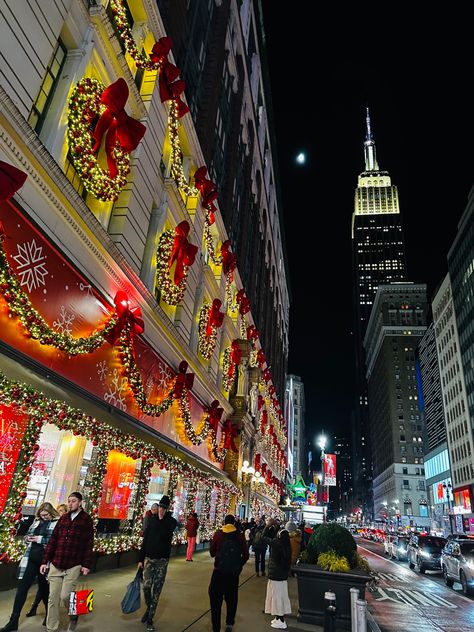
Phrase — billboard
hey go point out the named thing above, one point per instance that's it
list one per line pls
(330, 469)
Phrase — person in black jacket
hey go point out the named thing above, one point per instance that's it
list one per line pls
(277, 601)
(154, 557)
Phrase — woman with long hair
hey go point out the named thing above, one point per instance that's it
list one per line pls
(37, 538)
(277, 602)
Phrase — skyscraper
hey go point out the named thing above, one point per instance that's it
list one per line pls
(378, 256)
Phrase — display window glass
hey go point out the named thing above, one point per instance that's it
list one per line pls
(62, 466)
(200, 496)
(180, 496)
(12, 429)
(213, 505)
(158, 485)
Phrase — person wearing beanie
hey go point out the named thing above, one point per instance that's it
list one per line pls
(295, 541)
(154, 557)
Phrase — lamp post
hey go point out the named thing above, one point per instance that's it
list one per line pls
(448, 491)
(322, 444)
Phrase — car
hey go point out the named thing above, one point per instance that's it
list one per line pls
(424, 551)
(399, 547)
(457, 561)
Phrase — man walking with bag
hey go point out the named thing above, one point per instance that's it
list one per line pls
(229, 548)
(154, 557)
(67, 555)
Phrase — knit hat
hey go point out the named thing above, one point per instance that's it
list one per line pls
(290, 526)
(164, 502)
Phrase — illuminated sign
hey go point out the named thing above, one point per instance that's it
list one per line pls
(330, 470)
(12, 428)
(118, 484)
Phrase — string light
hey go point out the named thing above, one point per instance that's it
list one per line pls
(171, 293)
(206, 343)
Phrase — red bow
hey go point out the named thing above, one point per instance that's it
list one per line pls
(230, 432)
(261, 358)
(169, 85)
(119, 125)
(215, 318)
(183, 380)
(257, 462)
(252, 333)
(206, 188)
(272, 391)
(183, 252)
(260, 402)
(215, 414)
(125, 315)
(263, 421)
(243, 302)
(267, 375)
(236, 352)
(229, 262)
(11, 179)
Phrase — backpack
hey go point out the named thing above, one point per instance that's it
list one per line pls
(229, 558)
(257, 538)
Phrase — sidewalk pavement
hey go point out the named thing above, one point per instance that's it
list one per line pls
(183, 605)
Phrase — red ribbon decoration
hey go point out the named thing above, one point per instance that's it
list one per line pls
(170, 86)
(272, 391)
(236, 353)
(125, 315)
(264, 469)
(260, 402)
(267, 375)
(252, 333)
(261, 358)
(215, 414)
(207, 188)
(183, 252)
(215, 318)
(243, 302)
(183, 380)
(263, 421)
(229, 262)
(230, 432)
(257, 462)
(11, 180)
(117, 123)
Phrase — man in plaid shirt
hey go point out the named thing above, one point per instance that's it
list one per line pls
(68, 554)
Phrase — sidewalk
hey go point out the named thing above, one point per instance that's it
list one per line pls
(183, 606)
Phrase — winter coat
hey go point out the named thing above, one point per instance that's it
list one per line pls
(44, 539)
(157, 538)
(71, 542)
(278, 564)
(295, 541)
(192, 526)
(218, 539)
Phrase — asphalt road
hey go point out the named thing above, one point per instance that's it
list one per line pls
(406, 600)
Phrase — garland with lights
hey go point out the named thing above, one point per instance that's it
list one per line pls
(207, 334)
(84, 108)
(228, 370)
(141, 59)
(171, 293)
(42, 410)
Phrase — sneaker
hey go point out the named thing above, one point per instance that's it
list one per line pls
(150, 627)
(279, 625)
(72, 623)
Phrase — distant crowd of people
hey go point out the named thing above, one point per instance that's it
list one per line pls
(60, 545)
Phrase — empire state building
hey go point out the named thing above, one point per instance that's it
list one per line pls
(378, 256)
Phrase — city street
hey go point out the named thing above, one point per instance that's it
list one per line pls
(406, 600)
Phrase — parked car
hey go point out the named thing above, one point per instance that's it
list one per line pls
(424, 551)
(399, 547)
(457, 560)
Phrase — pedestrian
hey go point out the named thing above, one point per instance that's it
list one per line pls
(154, 557)
(230, 551)
(153, 511)
(61, 509)
(277, 602)
(37, 538)
(295, 541)
(192, 526)
(67, 555)
(259, 548)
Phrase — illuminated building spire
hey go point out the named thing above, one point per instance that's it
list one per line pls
(369, 147)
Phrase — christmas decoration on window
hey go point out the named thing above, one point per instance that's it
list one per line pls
(89, 100)
(210, 320)
(232, 359)
(229, 264)
(11, 180)
(174, 249)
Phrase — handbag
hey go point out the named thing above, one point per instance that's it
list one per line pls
(81, 601)
(131, 601)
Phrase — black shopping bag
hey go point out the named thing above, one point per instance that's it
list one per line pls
(131, 601)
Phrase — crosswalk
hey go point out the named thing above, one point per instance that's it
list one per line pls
(407, 596)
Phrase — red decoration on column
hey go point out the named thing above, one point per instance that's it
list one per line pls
(272, 390)
(117, 123)
(183, 252)
(260, 402)
(236, 353)
(263, 421)
(170, 86)
(267, 376)
(252, 333)
(207, 188)
(257, 462)
(216, 317)
(125, 315)
(243, 302)
(215, 414)
(264, 469)
(229, 262)
(183, 380)
(11, 180)
(230, 432)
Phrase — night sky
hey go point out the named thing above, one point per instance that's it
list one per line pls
(419, 93)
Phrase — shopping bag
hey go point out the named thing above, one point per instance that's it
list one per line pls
(81, 601)
(131, 601)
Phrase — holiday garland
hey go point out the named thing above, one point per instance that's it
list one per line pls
(170, 292)
(207, 335)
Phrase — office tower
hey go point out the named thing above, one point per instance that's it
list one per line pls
(295, 406)
(378, 256)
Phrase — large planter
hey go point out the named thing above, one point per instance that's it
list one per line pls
(314, 582)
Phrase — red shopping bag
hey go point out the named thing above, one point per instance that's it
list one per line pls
(81, 601)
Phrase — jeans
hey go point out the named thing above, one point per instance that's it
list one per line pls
(260, 553)
(30, 574)
(223, 587)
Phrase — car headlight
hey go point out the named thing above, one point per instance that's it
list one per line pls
(401, 549)
(424, 553)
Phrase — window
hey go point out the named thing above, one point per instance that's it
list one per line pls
(43, 100)
(405, 471)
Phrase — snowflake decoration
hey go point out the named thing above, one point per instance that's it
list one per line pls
(102, 370)
(31, 265)
(164, 377)
(87, 288)
(116, 393)
(64, 322)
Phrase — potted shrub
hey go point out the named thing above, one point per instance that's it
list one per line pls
(330, 562)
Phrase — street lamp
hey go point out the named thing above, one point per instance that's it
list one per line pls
(448, 491)
(322, 444)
